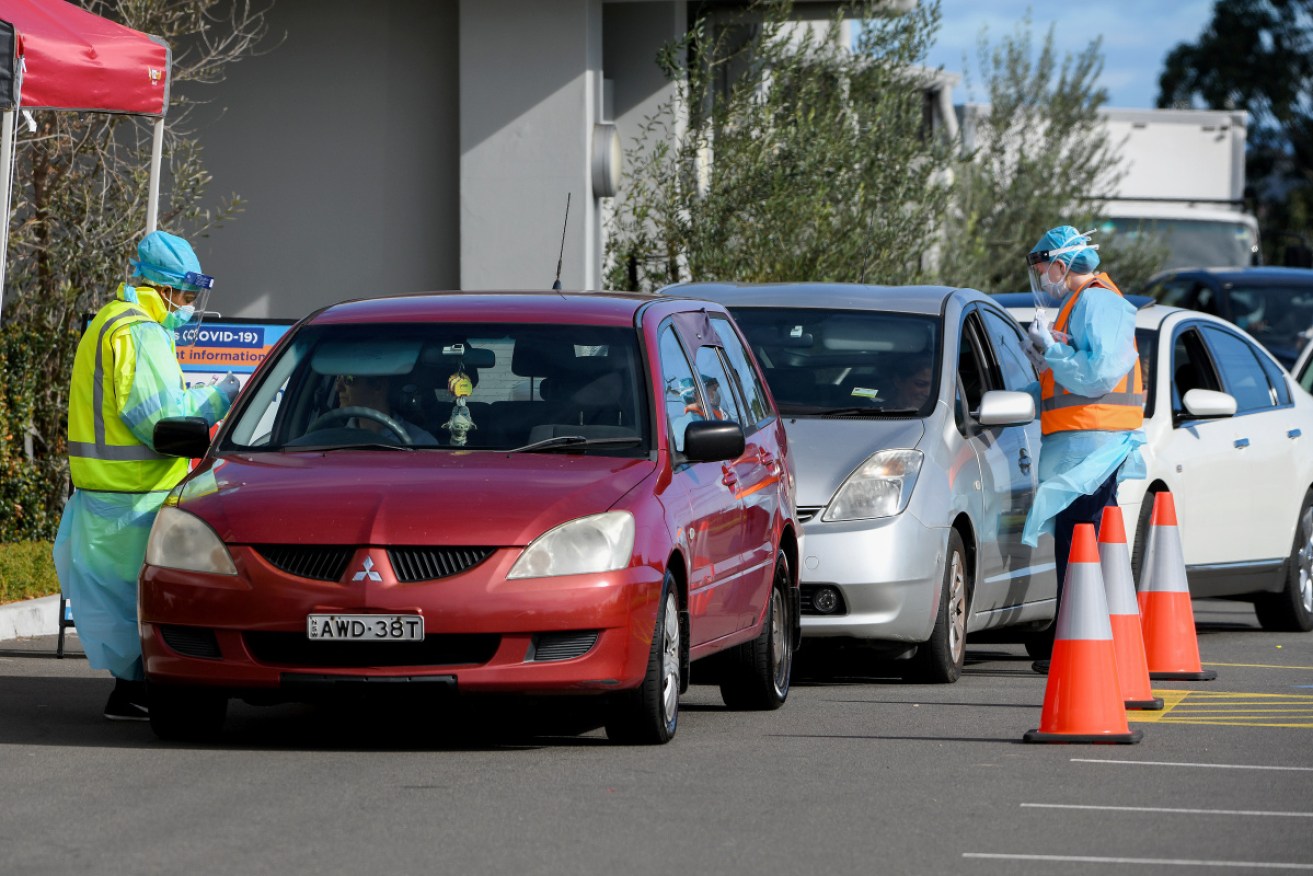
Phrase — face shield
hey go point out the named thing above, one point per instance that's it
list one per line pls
(187, 306)
(1048, 268)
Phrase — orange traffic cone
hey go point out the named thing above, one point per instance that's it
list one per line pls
(1170, 646)
(1124, 613)
(1082, 700)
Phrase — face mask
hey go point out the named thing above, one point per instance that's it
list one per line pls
(180, 317)
(1057, 288)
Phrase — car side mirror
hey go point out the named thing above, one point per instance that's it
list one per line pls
(1208, 404)
(1000, 407)
(713, 440)
(182, 436)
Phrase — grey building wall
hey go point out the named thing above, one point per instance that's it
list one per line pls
(341, 141)
(411, 145)
(531, 90)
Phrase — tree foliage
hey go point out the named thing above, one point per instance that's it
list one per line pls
(79, 207)
(1257, 55)
(788, 156)
(785, 155)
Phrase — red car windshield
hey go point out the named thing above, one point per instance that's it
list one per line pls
(490, 386)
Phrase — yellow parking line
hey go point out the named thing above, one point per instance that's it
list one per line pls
(1229, 709)
(1260, 666)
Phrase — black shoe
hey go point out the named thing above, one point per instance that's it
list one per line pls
(127, 702)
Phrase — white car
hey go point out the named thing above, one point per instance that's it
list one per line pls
(1228, 435)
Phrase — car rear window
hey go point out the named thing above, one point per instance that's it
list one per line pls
(843, 362)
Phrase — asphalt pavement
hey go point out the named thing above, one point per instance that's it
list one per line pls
(858, 773)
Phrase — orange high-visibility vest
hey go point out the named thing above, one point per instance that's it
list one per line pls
(1120, 410)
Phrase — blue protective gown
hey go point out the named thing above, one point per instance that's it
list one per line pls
(1074, 464)
(101, 542)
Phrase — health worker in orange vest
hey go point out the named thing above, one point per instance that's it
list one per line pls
(1091, 391)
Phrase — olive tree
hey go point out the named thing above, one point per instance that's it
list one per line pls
(1036, 155)
(80, 190)
(786, 154)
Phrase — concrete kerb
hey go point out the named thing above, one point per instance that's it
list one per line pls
(32, 617)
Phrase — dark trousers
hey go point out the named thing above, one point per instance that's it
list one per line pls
(1086, 509)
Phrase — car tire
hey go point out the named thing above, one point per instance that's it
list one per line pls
(649, 714)
(1142, 537)
(186, 714)
(1291, 610)
(939, 659)
(758, 673)
(1039, 644)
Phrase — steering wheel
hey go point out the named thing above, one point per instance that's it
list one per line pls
(353, 411)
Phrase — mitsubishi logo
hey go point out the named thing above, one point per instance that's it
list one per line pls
(367, 572)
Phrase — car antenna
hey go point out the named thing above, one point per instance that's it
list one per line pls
(556, 286)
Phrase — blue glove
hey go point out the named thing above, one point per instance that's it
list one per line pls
(229, 386)
(1041, 338)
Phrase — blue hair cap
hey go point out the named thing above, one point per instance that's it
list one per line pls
(167, 259)
(1078, 261)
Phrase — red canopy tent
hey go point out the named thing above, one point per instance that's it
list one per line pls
(55, 55)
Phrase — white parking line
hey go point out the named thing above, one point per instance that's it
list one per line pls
(1259, 812)
(1215, 766)
(1159, 862)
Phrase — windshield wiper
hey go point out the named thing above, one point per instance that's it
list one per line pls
(851, 412)
(323, 448)
(572, 442)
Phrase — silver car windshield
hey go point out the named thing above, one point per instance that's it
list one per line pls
(839, 363)
(476, 386)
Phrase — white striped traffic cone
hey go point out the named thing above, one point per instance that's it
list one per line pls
(1124, 613)
(1170, 645)
(1082, 700)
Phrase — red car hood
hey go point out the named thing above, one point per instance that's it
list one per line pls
(415, 498)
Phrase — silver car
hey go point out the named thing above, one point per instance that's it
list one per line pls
(916, 448)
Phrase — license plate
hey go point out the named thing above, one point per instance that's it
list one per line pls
(365, 627)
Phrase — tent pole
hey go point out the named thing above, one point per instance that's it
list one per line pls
(156, 160)
(6, 178)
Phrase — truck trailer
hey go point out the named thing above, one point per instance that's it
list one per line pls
(1184, 182)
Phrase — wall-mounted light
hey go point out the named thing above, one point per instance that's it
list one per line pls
(607, 159)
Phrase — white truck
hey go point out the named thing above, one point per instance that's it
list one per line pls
(1184, 181)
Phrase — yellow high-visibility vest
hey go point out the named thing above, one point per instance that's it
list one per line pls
(103, 454)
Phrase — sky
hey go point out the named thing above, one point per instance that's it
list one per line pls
(1137, 35)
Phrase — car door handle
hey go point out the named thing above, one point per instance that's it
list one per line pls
(1294, 433)
(729, 477)
(1242, 443)
(1023, 461)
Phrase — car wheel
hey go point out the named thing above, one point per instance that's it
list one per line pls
(1039, 644)
(1291, 610)
(1142, 537)
(760, 672)
(649, 714)
(186, 714)
(939, 660)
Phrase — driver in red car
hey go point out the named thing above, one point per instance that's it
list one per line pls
(357, 391)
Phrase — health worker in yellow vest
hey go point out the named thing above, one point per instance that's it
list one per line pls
(1091, 391)
(126, 377)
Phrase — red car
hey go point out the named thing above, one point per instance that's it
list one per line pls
(555, 493)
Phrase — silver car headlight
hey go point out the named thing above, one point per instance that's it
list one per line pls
(179, 540)
(598, 543)
(881, 487)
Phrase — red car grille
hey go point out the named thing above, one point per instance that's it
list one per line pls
(329, 562)
(294, 649)
(430, 563)
(320, 562)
